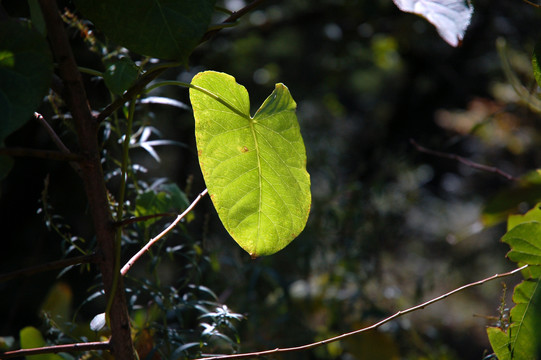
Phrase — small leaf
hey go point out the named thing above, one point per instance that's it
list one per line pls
(165, 29)
(536, 63)
(525, 243)
(521, 341)
(254, 167)
(165, 198)
(450, 17)
(532, 215)
(120, 75)
(32, 338)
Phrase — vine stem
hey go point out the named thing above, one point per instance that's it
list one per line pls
(371, 327)
(152, 241)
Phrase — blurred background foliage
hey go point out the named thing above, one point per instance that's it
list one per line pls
(389, 226)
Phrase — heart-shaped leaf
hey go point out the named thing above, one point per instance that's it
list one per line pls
(165, 29)
(254, 166)
(450, 17)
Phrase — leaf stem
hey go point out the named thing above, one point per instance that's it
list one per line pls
(204, 91)
(371, 327)
(121, 196)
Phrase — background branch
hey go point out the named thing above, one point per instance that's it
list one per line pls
(41, 154)
(372, 327)
(60, 264)
(464, 161)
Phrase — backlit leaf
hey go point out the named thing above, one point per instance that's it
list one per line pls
(525, 243)
(521, 340)
(254, 166)
(165, 29)
(450, 17)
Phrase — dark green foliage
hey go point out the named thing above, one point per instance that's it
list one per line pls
(165, 29)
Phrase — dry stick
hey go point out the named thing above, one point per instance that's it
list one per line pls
(151, 242)
(372, 327)
(56, 139)
(463, 161)
(59, 264)
(135, 219)
(87, 346)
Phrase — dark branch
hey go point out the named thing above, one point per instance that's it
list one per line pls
(464, 161)
(60, 264)
(41, 154)
(141, 218)
(234, 17)
(90, 346)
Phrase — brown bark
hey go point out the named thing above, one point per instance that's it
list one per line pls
(92, 175)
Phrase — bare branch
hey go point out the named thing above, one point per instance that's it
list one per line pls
(40, 154)
(372, 327)
(60, 264)
(141, 218)
(234, 17)
(56, 139)
(464, 161)
(92, 175)
(89, 346)
(151, 242)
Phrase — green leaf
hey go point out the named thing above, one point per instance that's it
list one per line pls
(120, 75)
(499, 341)
(165, 29)
(532, 215)
(525, 243)
(165, 198)
(26, 69)
(254, 167)
(32, 338)
(536, 63)
(521, 341)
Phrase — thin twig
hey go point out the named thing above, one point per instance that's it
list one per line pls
(56, 139)
(151, 242)
(40, 154)
(59, 264)
(234, 17)
(89, 346)
(372, 327)
(464, 161)
(141, 218)
(531, 3)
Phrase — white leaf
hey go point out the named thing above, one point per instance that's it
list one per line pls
(450, 17)
(98, 322)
